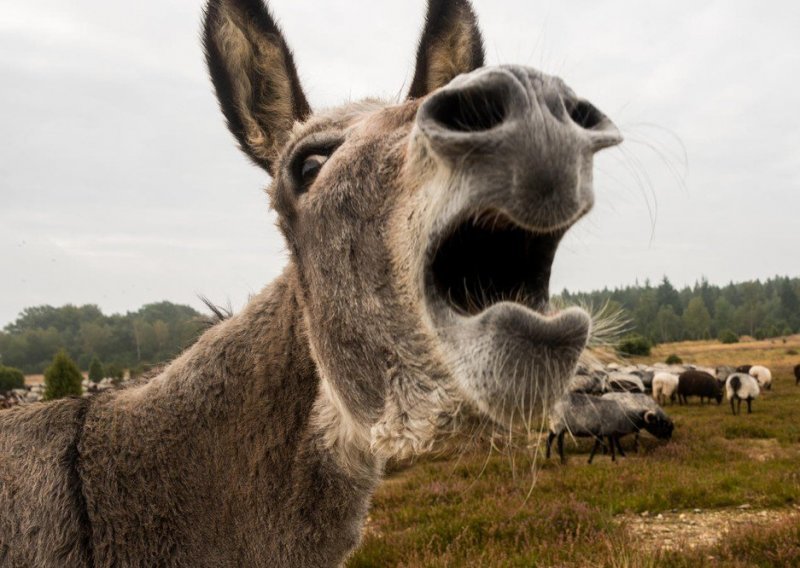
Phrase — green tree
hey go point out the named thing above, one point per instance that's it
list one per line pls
(62, 378)
(95, 370)
(696, 319)
(668, 325)
(724, 314)
(634, 344)
(11, 378)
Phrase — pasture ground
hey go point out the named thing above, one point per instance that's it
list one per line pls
(724, 492)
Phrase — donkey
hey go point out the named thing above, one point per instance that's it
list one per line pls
(421, 237)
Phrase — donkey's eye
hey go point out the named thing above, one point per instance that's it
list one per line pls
(311, 167)
(308, 161)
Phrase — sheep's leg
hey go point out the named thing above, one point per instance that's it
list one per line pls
(619, 445)
(733, 410)
(749, 410)
(738, 405)
(550, 437)
(561, 447)
(597, 442)
(611, 442)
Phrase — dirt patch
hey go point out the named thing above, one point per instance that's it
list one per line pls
(698, 528)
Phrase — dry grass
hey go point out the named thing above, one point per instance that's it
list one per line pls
(32, 380)
(478, 509)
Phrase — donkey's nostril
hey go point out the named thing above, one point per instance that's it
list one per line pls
(472, 109)
(584, 113)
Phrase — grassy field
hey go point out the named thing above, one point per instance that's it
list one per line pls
(735, 477)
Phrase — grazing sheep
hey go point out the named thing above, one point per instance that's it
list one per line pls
(647, 378)
(633, 401)
(762, 375)
(743, 368)
(664, 387)
(587, 383)
(623, 382)
(586, 416)
(698, 383)
(725, 371)
(797, 374)
(739, 387)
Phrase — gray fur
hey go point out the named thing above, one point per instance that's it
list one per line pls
(262, 444)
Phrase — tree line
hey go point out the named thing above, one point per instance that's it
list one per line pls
(136, 340)
(662, 313)
(158, 332)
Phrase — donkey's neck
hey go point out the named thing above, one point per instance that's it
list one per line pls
(235, 448)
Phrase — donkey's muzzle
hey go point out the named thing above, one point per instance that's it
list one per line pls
(476, 109)
(522, 138)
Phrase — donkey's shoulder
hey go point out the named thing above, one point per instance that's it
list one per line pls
(42, 515)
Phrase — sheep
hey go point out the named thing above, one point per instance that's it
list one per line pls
(698, 383)
(647, 377)
(633, 401)
(762, 375)
(725, 371)
(623, 382)
(743, 368)
(587, 384)
(739, 387)
(797, 374)
(586, 416)
(664, 387)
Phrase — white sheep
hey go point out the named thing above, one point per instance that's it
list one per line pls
(762, 375)
(739, 387)
(664, 387)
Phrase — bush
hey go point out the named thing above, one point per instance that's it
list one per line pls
(62, 378)
(791, 352)
(95, 370)
(10, 379)
(673, 360)
(728, 337)
(115, 372)
(634, 344)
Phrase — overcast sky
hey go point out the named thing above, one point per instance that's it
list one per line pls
(119, 184)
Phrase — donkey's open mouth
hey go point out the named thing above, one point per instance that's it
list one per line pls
(490, 259)
(487, 288)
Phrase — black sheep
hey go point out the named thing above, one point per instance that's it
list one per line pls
(743, 368)
(698, 383)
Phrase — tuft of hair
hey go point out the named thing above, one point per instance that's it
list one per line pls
(218, 313)
(609, 324)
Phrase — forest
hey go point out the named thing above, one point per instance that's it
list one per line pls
(136, 340)
(662, 313)
(158, 332)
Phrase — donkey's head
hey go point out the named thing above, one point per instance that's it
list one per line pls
(421, 233)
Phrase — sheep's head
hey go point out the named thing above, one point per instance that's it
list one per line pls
(657, 423)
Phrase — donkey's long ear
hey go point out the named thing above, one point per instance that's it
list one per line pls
(254, 75)
(451, 44)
